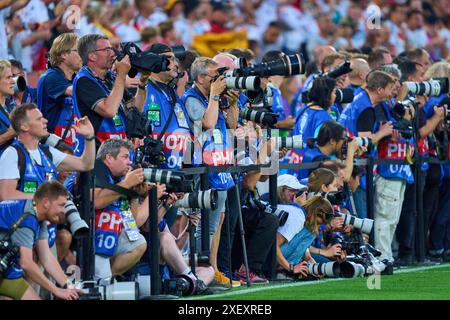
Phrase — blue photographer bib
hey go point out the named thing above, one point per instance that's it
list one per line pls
(158, 107)
(10, 212)
(109, 128)
(309, 123)
(217, 150)
(68, 112)
(350, 115)
(394, 150)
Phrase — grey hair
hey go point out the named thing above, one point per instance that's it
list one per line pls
(392, 69)
(88, 44)
(112, 147)
(200, 66)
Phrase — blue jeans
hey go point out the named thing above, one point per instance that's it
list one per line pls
(360, 202)
(440, 230)
(319, 258)
(294, 250)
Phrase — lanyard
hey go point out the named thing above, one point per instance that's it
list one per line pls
(35, 164)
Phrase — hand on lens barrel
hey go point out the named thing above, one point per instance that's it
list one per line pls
(134, 177)
(301, 268)
(386, 129)
(333, 251)
(337, 223)
(232, 96)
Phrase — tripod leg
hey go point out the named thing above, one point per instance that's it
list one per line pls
(241, 228)
(192, 246)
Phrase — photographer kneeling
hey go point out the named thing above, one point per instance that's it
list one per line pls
(118, 242)
(204, 105)
(30, 231)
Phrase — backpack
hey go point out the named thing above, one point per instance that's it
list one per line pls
(21, 160)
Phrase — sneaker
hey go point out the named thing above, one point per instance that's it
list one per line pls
(254, 278)
(221, 279)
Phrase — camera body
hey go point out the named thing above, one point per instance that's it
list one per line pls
(142, 61)
(8, 253)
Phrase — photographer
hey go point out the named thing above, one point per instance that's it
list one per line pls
(357, 77)
(30, 163)
(99, 93)
(170, 121)
(118, 243)
(49, 201)
(7, 133)
(433, 126)
(203, 103)
(55, 90)
(321, 97)
(29, 95)
(301, 228)
(329, 144)
(369, 116)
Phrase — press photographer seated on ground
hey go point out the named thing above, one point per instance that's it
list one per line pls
(31, 216)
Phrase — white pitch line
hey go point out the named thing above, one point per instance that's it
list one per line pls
(301, 284)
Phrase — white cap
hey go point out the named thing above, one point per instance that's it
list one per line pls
(288, 180)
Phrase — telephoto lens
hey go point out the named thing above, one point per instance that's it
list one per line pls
(261, 117)
(350, 269)
(162, 176)
(345, 95)
(340, 70)
(365, 225)
(294, 142)
(328, 269)
(78, 227)
(432, 87)
(243, 83)
(363, 142)
(206, 200)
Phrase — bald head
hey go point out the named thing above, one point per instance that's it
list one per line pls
(360, 69)
(226, 59)
(321, 52)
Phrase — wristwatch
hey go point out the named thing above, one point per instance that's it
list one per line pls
(216, 98)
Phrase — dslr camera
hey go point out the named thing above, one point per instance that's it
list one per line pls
(141, 61)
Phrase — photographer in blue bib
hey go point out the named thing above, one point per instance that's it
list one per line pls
(55, 89)
(25, 223)
(369, 116)
(211, 121)
(39, 163)
(7, 133)
(166, 111)
(99, 93)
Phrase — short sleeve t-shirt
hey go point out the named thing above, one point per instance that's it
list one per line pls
(294, 223)
(53, 93)
(9, 159)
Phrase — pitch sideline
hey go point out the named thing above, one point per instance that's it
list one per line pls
(302, 284)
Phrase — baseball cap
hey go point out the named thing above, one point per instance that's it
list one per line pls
(288, 180)
(159, 48)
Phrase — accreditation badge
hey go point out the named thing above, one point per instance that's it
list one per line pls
(181, 117)
(217, 137)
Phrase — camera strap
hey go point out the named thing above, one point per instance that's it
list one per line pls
(173, 100)
(16, 225)
(114, 187)
(302, 112)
